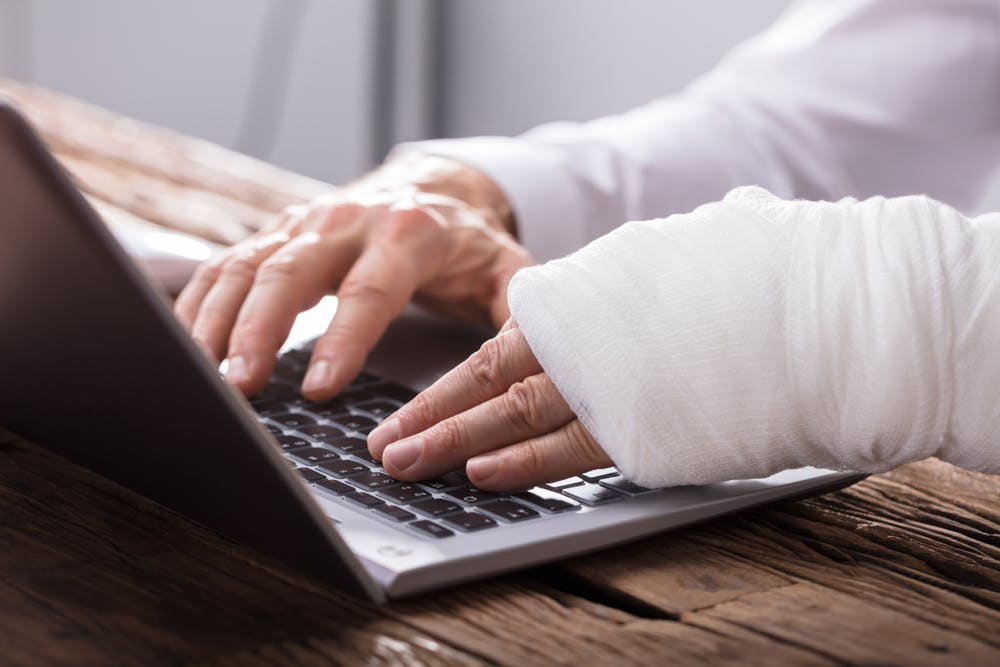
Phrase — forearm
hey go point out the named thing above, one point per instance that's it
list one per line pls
(857, 98)
(755, 335)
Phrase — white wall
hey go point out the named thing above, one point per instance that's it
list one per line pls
(188, 64)
(507, 65)
(512, 64)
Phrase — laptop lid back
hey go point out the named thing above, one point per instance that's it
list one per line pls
(94, 366)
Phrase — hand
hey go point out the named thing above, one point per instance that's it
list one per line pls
(419, 227)
(498, 415)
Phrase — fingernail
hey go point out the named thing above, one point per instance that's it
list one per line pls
(403, 454)
(318, 377)
(386, 432)
(482, 468)
(238, 371)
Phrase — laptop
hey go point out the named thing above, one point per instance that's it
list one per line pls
(95, 367)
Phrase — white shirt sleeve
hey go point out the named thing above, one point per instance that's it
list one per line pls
(756, 334)
(846, 97)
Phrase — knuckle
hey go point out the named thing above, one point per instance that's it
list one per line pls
(523, 405)
(363, 290)
(529, 459)
(450, 437)
(484, 365)
(417, 414)
(335, 217)
(278, 268)
(238, 266)
(404, 224)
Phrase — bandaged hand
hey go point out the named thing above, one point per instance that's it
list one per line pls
(498, 415)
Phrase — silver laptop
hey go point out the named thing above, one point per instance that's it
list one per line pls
(94, 366)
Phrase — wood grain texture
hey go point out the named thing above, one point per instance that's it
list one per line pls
(902, 568)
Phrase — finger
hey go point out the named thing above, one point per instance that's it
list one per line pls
(567, 451)
(500, 362)
(373, 293)
(530, 408)
(221, 304)
(287, 283)
(188, 303)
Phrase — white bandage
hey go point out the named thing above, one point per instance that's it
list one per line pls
(756, 334)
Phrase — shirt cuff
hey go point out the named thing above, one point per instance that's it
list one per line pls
(541, 192)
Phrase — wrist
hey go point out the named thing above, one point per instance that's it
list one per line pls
(451, 178)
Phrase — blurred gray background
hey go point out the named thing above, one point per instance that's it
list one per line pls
(324, 87)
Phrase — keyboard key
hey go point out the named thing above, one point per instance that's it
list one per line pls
(470, 495)
(348, 445)
(395, 513)
(436, 507)
(470, 521)
(374, 480)
(334, 486)
(327, 410)
(378, 409)
(321, 433)
(292, 420)
(546, 503)
(592, 494)
(310, 475)
(600, 473)
(343, 468)
(274, 430)
(432, 529)
(362, 498)
(619, 483)
(450, 480)
(564, 483)
(406, 493)
(356, 423)
(292, 442)
(313, 455)
(509, 510)
(366, 456)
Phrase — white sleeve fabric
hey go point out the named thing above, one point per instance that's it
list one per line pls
(756, 334)
(838, 98)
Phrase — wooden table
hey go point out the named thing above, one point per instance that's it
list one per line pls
(903, 568)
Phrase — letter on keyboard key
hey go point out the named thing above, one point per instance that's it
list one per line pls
(293, 420)
(471, 495)
(509, 510)
(313, 455)
(374, 480)
(347, 445)
(292, 442)
(356, 423)
(405, 493)
(321, 432)
(436, 507)
(343, 468)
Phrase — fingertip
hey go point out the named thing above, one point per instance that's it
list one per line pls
(383, 435)
(482, 471)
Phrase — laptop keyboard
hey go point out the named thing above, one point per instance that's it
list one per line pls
(326, 444)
